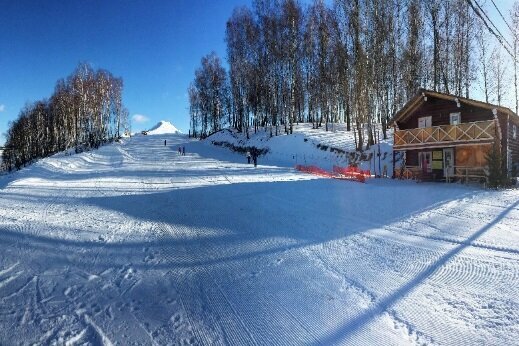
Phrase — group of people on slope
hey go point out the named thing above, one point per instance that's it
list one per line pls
(181, 150)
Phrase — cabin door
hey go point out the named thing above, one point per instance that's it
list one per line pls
(425, 160)
(448, 162)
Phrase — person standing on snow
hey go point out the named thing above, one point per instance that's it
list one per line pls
(164, 142)
(248, 157)
(255, 157)
(183, 151)
(179, 151)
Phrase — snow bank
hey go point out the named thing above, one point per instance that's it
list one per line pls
(307, 146)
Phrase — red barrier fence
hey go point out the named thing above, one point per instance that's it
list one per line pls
(349, 173)
(313, 170)
(352, 173)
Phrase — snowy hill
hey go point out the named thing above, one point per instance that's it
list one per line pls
(309, 146)
(136, 244)
(163, 127)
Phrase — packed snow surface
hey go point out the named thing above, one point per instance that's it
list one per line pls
(163, 127)
(136, 244)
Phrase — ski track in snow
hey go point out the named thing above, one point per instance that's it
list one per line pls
(135, 244)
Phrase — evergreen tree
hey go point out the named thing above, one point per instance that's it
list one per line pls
(497, 176)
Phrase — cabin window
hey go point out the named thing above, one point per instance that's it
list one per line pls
(424, 122)
(455, 118)
(425, 161)
(514, 132)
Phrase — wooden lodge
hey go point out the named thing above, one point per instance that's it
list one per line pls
(442, 137)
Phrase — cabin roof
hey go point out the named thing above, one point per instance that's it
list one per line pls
(418, 100)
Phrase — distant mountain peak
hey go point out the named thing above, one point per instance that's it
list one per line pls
(163, 127)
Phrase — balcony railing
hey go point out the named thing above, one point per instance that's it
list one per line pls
(478, 131)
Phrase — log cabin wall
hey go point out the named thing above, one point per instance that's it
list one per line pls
(440, 110)
(513, 143)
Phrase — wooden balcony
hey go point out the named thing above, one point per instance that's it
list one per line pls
(446, 135)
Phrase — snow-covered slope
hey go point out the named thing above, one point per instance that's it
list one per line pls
(309, 146)
(136, 244)
(163, 127)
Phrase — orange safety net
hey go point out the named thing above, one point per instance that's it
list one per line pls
(348, 173)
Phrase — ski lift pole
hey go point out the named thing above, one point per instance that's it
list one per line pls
(379, 154)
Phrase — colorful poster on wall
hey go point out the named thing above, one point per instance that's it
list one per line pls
(437, 165)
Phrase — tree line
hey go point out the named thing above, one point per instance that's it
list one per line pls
(355, 61)
(84, 112)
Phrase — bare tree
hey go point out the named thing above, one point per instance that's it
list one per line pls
(211, 94)
(482, 44)
(357, 62)
(498, 75)
(412, 59)
(84, 111)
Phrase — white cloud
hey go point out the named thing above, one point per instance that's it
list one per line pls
(139, 118)
(2, 108)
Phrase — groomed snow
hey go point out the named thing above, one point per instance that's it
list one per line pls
(135, 244)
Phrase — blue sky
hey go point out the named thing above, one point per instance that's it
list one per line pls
(155, 46)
